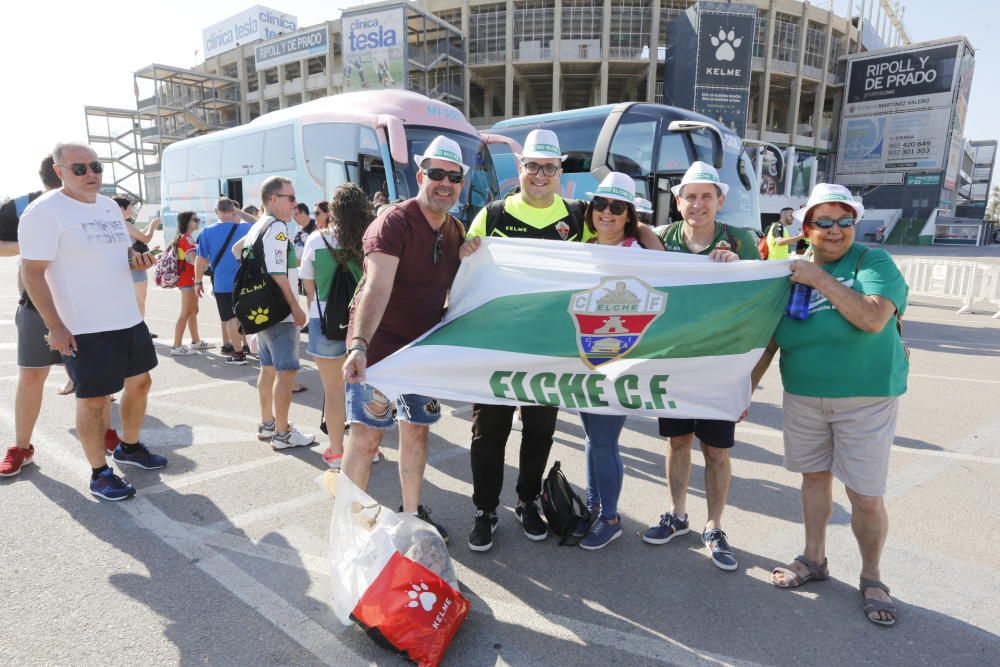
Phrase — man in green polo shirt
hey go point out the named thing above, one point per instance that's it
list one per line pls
(700, 195)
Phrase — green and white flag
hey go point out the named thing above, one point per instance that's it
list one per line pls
(598, 328)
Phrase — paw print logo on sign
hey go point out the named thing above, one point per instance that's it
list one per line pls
(420, 596)
(259, 315)
(725, 45)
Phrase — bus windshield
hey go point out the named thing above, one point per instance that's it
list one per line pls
(480, 185)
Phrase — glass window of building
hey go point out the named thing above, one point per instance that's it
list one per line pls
(815, 45)
(487, 33)
(669, 10)
(316, 65)
(533, 28)
(786, 39)
(581, 29)
(293, 71)
(630, 25)
(452, 16)
(760, 46)
(836, 51)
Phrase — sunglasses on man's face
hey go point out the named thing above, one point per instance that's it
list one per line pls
(435, 174)
(291, 198)
(617, 206)
(827, 223)
(80, 168)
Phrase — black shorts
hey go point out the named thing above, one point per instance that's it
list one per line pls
(224, 302)
(104, 359)
(33, 350)
(712, 432)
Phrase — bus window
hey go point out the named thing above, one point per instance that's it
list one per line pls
(480, 188)
(279, 149)
(203, 161)
(242, 154)
(673, 153)
(373, 175)
(632, 145)
(703, 145)
(324, 140)
(234, 190)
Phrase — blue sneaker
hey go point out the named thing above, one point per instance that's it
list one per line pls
(722, 553)
(584, 524)
(601, 534)
(670, 526)
(142, 458)
(109, 486)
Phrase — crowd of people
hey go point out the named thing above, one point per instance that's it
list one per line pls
(80, 252)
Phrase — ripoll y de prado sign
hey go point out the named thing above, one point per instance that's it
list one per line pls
(596, 328)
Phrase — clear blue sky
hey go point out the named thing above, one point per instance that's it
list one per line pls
(59, 58)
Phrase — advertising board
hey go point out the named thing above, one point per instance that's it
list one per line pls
(725, 49)
(901, 81)
(899, 141)
(374, 49)
(289, 48)
(257, 22)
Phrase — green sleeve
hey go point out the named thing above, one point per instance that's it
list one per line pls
(478, 226)
(662, 232)
(879, 276)
(748, 243)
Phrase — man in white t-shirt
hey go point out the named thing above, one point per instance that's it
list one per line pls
(278, 346)
(74, 244)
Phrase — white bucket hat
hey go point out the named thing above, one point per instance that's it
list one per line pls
(616, 185)
(542, 144)
(442, 148)
(829, 193)
(643, 205)
(700, 172)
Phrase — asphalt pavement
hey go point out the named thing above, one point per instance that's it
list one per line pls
(221, 559)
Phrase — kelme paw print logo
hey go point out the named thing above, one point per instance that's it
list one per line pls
(259, 315)
(420, 596)
(726, 45)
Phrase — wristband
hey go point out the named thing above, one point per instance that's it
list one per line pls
(198, 284)
(363, 349)
(364, 341)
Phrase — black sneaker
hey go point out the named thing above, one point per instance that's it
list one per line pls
(246, 349)
(481, 537)
(236, 359)
(531, 522)
(227, 349)
(424, 514)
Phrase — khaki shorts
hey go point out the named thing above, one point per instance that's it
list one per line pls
(850, 437)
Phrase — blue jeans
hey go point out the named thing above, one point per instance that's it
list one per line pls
(278, 346)
(605, 471)
(367, 405)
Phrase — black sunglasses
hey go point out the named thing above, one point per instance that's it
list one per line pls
(438, 244)
(827, 223)
(291, 198)
(617, 207)
(436, 174)
(80, 168)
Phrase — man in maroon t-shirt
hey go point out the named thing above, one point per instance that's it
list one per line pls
(411, 258)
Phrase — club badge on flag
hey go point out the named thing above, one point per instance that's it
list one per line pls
(612, 317)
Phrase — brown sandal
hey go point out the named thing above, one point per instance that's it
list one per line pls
(872, 606)
(793, 579)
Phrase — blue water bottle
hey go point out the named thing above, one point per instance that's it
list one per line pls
(798, 302)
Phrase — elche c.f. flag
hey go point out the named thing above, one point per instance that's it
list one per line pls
(597, 328)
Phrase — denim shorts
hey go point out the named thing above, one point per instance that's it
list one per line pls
(278, 346)
(367, 405)
(139, 276)
(322, 347)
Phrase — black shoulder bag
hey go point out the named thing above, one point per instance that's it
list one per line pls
(258, 302)
(334, 321)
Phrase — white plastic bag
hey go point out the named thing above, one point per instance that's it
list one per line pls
(364, 535)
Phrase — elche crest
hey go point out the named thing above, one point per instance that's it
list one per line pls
(612, 317)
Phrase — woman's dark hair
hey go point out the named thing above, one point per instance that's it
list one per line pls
(631, 223)
(350, 215)
(184, 221)
(324, 206)
(122, 201)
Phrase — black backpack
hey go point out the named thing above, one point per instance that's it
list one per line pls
(258, 302)
(334, 321)
(562, 507)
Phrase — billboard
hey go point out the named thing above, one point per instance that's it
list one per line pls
(901, 141)
(297, 46)
(252, 24)
(921, 78)
(374, 49)
(722, 70)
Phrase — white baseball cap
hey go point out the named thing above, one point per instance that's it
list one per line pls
(542, 144)
(700, 172)
(442, 148)
(829, 193)
(616, 185)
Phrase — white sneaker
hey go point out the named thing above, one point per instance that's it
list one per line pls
(201, 345)
(182, 351)
(292, 439)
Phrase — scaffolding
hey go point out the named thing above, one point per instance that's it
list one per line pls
(114, 134)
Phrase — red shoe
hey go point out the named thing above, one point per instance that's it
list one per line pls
(111, 441)
(16, 459)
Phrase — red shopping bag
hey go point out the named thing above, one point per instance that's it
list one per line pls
(411, 610)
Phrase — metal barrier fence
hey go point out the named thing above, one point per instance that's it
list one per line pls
(965, 282)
